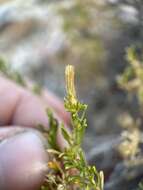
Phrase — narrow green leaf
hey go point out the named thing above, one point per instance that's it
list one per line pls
(52, 133)
(65, 134)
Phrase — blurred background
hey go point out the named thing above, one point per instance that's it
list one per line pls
(39, 37)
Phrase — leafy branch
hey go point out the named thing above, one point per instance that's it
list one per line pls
(132, 78)
(69, 169)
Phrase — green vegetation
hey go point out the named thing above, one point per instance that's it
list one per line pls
(132, 78)
(69, 169)
(140, 186)
(132, 82)
(7, 71)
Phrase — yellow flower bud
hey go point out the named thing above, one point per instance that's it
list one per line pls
(70, 86)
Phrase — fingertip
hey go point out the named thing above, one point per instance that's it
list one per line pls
(23, 162)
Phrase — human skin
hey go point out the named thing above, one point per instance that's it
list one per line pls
(23, 157)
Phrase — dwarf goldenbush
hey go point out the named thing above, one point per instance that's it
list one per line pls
(69, 168)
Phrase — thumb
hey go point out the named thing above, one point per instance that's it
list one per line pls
(22, 159)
